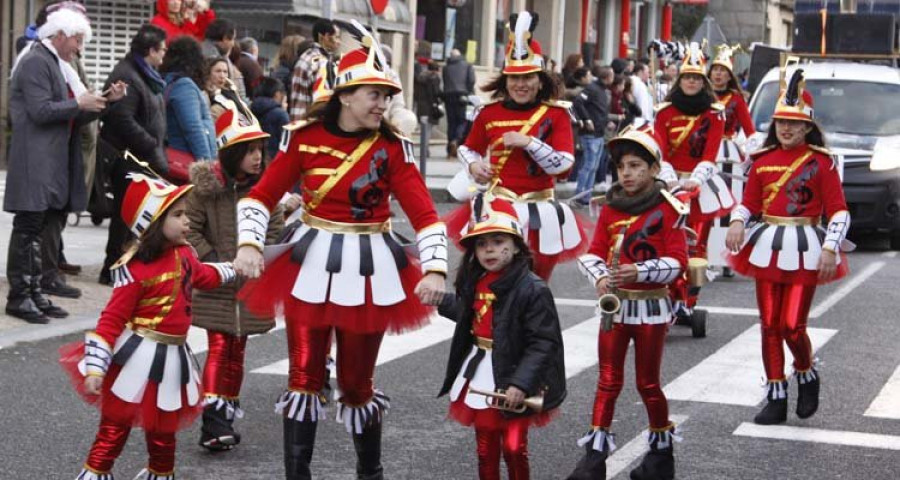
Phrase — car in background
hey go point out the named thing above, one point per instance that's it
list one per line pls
(857, 106)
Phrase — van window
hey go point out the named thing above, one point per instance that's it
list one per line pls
(856, 108)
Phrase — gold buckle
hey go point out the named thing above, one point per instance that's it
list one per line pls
(530, 197)
(791, 221)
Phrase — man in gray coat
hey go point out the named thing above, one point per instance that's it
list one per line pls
(459, 83)
(45, 180)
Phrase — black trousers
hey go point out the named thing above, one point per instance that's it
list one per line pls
(119, 234)
(45, 228)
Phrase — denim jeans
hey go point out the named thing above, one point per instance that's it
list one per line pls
(592, 157)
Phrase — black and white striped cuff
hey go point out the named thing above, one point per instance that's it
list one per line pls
(658, 270)
(253, 222)
(592, 267)
(97, 355)
(468, 156)
(667, 172)
(703, 172)
(225, 271)
(550, 160)
(837, 231)
(432, 244)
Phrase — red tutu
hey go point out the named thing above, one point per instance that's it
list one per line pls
(492, 418)
(740, 263)
(270, 295)
(144, 414)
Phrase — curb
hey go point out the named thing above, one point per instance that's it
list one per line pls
(56, 328)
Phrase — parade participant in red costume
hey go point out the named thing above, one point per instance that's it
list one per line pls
(691, 125)
(343, 269)
(524, 140)
(507, 338)
(792, 184)
(212, 212)
(639, 248)
(135, 365)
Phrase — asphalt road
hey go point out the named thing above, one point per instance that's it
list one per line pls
(47, 430)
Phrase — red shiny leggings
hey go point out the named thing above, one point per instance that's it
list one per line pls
(543, 264)
(224, 369)
(702, 227)
(648, 350)
(356, 356)
(110, 441)
(512, 441)
(784, 311)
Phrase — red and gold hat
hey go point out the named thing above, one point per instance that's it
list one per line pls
(694, 61)
(236, 124)
(323, 87)
(643, 136)
(491, 214)
(795, 102)
(365, 65)
(725, 58)
(523, 53)
(147, 199)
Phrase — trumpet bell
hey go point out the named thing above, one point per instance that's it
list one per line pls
(500, 401)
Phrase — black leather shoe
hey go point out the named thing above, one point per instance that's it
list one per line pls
(69, 268)
(48, 308)
(808, 398)
(25, 309)
(59, 289)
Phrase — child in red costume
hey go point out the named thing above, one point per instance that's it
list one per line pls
(793, 183)
(135, 365)
(507, 338)
(639, 248)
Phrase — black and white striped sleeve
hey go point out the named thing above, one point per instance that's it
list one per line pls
(658, 270)
(225, 271)
(252, 223)
(592, 267)
(549, 159)
(97, 355)
(837, 231)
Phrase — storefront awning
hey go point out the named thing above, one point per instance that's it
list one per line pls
(395, 18)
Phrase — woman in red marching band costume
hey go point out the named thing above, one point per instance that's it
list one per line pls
(136, 359)
(731, 96)
(639, 247)
(343, 268)
(792, 184)
(691, 125)
(524, 140)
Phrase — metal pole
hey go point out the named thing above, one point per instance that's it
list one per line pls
(326, 9)
(424, 140)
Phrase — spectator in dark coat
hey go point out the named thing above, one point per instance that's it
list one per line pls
(459, 82)
(592, 108)
(428, 98)
(138, 124)
(288, 53)
(248, 64)
(268, 107)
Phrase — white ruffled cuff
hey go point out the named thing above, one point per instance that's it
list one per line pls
(97, 355)
(549, 159)
(592, 267)
(703, 172)
(225, 271)
(432, 244)
(468, 156)
(741, 213)
(253, 222)
(837, 231)
(667, 172)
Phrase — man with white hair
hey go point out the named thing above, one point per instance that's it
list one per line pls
(47, 105)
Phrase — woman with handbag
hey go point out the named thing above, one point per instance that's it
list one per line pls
(344, 270)
(190, 132)
(522, 141)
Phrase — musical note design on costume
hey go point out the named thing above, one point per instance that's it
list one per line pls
(636, 245)
(365, 193)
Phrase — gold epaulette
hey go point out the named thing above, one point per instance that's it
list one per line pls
(819, 149)
(558, 103)
(761, 151)
(717, 106)
(298, 124)
(680, 207)
(661, 106)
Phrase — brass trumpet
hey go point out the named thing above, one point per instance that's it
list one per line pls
(500, 401)
(697, 268)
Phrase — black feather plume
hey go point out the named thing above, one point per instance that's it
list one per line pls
(792, 94)
(477, 206)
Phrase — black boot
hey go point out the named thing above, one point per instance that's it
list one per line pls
(42, 302)
(659, 463)
(368, 453)
(299, 440)
(807, 393)
(775, 411)
(216, 433)
(592, 465)
(20, 259)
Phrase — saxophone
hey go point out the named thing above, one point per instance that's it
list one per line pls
(609, 304)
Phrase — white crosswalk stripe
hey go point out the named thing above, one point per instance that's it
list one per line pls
(887, 403)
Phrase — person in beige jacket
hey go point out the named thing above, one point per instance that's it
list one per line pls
(213, 218)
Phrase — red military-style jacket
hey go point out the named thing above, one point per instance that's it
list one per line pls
(519, 173)
(387, 167)
(689, 139)
(159, 296)
(737, 115)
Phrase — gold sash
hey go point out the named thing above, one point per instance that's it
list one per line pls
(778, 185)
(319, 194)
(524, 131)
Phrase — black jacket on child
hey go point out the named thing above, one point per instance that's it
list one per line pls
(527, 344)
